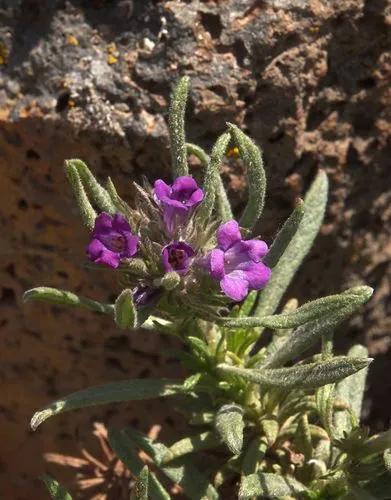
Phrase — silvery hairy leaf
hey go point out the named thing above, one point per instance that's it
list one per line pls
(309, 333)
(125, 390)
(63, 297)
(181, 471)
(267, 485)
(212, 179)
(230, 425)
(127, 452)
(256, 176)
(351, 390)
(203, 441)
(87, 211)
(176, 126)
(304, 376)
(125, 313)
(314, 208)
(99, 196)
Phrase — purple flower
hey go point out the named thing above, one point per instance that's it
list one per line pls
(236, 263)
(178, 200)
(112, 240)
(177, 257)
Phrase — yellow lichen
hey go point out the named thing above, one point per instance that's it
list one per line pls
(234, 152)
(3, 54)
(111, 59)
(72, 40)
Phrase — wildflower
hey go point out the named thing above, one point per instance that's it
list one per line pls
(236, 263)
(177, 257)
(112, 240)
(178, 200)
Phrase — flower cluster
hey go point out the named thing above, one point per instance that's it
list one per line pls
(235, 263)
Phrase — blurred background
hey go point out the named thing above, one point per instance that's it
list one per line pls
(307, 79)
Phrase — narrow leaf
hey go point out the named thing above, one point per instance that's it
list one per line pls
(320, 308)
(56, 491)
(230, 425)
(187, 445)
(301, 376)
(212, 175)
(266, 485)
(284, 236)
(176, 125)
(96, 192)
(125, 313)
(125, 450)
(141, 486)
(87, 212)
(126, 390)
(351, 390)
(256, 176)
(63, 297)
(253, 455)
(181, 471)
(302, 440)
(309, 333)
(297, 249)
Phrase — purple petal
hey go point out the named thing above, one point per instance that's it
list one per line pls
(228, 234)
(256, 249)
(161, 189)
(196, 197)
(103, 222)
(99, 254)
(184, 185)
(257, 275)
(235, 286)
(120, 223)
(217, 264)
(177, 257)
(236, 256)
(131, 245)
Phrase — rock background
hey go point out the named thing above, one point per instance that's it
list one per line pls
(307, 79)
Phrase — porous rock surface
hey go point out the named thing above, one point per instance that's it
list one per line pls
(307, 79)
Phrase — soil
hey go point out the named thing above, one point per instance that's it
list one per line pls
(307, 79)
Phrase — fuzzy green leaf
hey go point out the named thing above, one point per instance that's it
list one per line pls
(266, 485)
(187, 445)
(141, 486)
(87, 212)
(301, 376)
(320, 308)
(99, 196)
(126, 390)
(176, 126)
(297, 249)
(284, 236)
(223, 205)
(230, 425)
(351, 390)
(254, 455)
(63, 297)
(309, 333)
(125, 450)
(56, 491)
(125, 313)
(212, 176)
(181, 471)
(302, 439)
(252, 158)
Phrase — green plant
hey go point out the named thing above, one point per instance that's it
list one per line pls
(275, 421)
